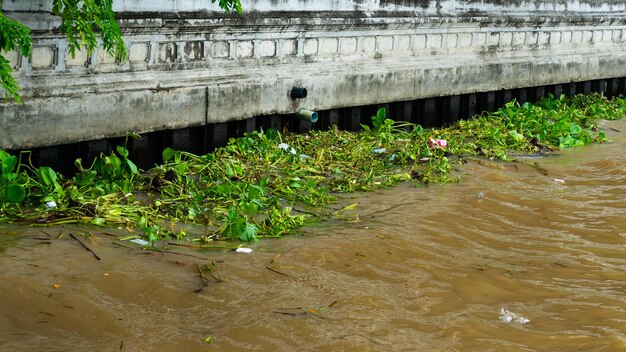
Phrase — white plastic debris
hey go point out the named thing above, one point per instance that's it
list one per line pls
(379, 150)
(480, 195)
(558, 180)
(140, 242)
(287, 148)
(50, 204)
(437, 143)
(304, 156)
(510, 317)
(243, 250)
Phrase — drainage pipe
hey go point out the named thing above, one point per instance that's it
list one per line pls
(307, 115)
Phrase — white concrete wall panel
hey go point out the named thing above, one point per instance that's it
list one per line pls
(190, 64)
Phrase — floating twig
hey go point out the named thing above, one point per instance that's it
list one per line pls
(122, 245)
(303, 311)
(110, 234)
(177, 253)
(276, 271)
(203, 247)
(84, 246)
(275, 257)
(209, 268)
(536, 166)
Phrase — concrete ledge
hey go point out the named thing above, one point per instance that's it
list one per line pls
(41, 121)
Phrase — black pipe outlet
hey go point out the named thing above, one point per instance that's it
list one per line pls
(298, 93)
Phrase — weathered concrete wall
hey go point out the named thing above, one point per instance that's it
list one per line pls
(191, 65)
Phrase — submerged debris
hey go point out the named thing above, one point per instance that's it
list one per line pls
(248, 189)
(140, 242)
(510, 317)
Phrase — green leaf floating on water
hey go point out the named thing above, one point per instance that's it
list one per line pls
(8, 163)
(574, 128)
(15, 193)
(47, 175)
(122, 151)
(168, 154)
(248, 232)
(518, 136)
(133, 168)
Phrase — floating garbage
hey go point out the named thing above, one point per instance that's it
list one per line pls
(243, 250)
(480, 195)
(50, 204)
(140, 242)
(304, 156)
(441, 143)
(379, 150)
(510, 317)
(287, 148)
(558, 180)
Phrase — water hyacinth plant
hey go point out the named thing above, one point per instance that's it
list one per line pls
(268, 184)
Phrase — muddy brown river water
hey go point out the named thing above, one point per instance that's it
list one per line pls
(413, 269)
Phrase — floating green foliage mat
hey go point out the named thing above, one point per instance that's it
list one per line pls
(267, 184)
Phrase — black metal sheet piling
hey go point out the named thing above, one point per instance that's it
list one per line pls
(570, 89)
(621, 87)
(539, 93)
(490, 102)
(612, 87)
(333, 117)
(350, 118)
(276, 122)
(468, 105)
(522, 95)
(454, 111)
(300, 126)
(247, 125)
(216, 135)
(367, 112)
(428, 114)
(583, 87)
(441, 111)
(94, 149)
(272, 121)
(49, 156)
(405, 111)
(507, 96)
(141, 146)
(181, 139)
